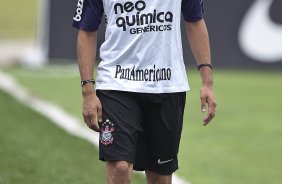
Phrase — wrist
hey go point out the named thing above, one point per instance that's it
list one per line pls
(88, 89)
(207, 79)
(200, 66)
(206, 76)
(83, 82)
(207, 84)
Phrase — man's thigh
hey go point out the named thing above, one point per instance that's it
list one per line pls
(120, 127)
(162, 125)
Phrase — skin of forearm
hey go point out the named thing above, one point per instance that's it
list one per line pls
(86, 52)
(199, 42)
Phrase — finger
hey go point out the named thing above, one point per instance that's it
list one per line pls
(94, 125)
(208, 118)
(87, 120)
(99, 115)
(203, 104)
(211, 113)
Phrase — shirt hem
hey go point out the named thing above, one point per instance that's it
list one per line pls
(147, 90)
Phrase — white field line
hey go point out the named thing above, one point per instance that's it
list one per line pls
(56, 114)
(48, 76)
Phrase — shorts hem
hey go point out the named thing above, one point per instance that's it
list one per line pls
(105, 159)
(164, 173)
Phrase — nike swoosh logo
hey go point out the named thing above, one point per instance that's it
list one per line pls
(259, 37)
(163, 162)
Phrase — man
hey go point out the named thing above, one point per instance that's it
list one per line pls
(141, 81)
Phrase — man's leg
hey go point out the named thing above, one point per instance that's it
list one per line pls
(153, 178)
(159, 142)
(118, 172)
(118, 134)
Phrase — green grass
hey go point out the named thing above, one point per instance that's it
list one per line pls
(18, 19)
(241, 146)
(35, 151)
(243, 143)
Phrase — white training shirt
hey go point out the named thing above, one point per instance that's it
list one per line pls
(142, 51)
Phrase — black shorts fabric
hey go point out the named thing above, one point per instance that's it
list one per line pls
(142, 128)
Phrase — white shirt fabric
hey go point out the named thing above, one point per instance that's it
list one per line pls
(142, 51)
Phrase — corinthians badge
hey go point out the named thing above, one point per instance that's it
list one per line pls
(106, 137)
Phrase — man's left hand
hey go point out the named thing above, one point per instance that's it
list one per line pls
(207, 99)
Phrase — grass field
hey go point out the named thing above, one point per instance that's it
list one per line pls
(242, 144)
(35, 151)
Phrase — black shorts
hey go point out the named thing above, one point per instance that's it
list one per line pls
(142, 128)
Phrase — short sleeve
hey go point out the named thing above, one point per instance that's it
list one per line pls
(192, 10)
(88, 15)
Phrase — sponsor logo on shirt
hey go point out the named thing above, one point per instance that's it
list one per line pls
(142, 22)
(79, 11)
(148, 74)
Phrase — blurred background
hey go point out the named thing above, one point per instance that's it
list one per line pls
(241, 146)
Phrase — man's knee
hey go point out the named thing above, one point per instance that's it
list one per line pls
(154, 178)
(119, 168)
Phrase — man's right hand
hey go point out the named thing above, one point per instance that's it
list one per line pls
(92, 111)
(86, 52)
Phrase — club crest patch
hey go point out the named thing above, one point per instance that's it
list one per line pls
(106, 136)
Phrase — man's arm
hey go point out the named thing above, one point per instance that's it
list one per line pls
(86, 51)
(199, 42)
